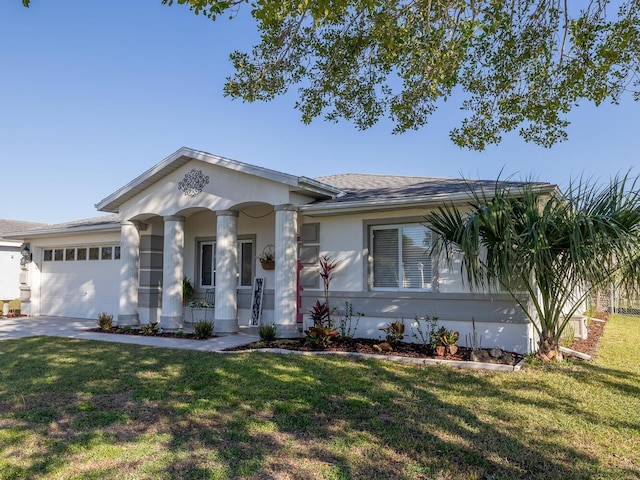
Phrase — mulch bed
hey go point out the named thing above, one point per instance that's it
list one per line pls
(363, 345)
(360, 345)
(135, 331)
(594, 332)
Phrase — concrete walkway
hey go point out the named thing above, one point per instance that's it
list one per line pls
(22, 327)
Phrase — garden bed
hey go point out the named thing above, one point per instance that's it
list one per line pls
(137, 331)
(401, 349)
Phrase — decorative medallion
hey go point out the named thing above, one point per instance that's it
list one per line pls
(193, 183)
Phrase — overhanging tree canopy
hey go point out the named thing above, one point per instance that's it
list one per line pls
(549, 252)
(519, 64)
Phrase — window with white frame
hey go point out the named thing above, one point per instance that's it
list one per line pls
(207, 263)
(401, 257)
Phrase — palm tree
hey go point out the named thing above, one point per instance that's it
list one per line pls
(549, 251)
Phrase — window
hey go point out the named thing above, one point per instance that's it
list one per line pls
(116, 253)
(107, 253)
(94, 253)
(207, 253)
(401, 257)
(70, 254)
(48, 255)
(309, 255)
(58, 254)
(82, 254)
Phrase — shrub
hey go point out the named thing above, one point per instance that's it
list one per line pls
(105, 321)
(203, 329)
(394, 332)
(267, 332)
(320, 336)
(187, 290)
(151, 328)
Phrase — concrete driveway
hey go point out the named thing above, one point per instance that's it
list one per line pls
(22, 327)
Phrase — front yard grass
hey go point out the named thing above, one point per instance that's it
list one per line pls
(84, 409)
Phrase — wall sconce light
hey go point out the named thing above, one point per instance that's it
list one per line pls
(27, 256)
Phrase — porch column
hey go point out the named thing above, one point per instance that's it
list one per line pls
(286, 270)
(129, 268)
(226, 306)
(172, 273)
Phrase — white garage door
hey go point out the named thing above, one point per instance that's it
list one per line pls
(80, 282)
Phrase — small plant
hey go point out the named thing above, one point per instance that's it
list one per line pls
(425, 336)
(327, 267)
(320, 336)
(568, 335)
(187, 290)
(125, 329)
(450, 338)
(203, 329)
(394, 332)
(445, 340)
(151, 328)
(268, 258)
(346, 326)
(267, 332)
(105, 321)
(200, 304)
(473, 339)
(320, 314)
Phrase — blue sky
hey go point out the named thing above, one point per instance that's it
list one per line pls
(93, 93)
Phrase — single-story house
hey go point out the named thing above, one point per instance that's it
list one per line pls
(209, 218)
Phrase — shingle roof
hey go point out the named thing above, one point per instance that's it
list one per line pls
(362, 187)
(94, 223)
(10, 226)
(87, 222)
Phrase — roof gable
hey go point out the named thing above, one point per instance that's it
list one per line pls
(184, 155)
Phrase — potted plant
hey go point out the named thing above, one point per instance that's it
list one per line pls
(268, 258)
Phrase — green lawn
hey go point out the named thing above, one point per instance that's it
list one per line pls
(81, 409)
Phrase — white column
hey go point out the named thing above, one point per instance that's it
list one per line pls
(172, 273)
(226, 307)
(129, 268)
(286, 270)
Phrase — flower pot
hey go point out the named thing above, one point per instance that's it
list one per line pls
(452, 349)
(268, 264)
(440, 350)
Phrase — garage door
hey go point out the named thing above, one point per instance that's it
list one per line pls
(80, 282)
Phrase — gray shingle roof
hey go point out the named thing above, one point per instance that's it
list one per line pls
(10, 226)
(87, 222)
(362, 187)
(102, 222)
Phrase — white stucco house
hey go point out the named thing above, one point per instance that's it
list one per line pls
(208, 218)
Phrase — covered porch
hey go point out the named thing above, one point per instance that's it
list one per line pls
(207, 218)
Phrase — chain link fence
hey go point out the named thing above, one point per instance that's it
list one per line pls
(615, 301)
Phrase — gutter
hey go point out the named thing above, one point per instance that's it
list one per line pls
(63, 232)
(320, 209)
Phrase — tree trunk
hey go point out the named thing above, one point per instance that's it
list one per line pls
(548, 349)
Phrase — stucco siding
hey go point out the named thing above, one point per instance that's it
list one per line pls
(9, 272)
